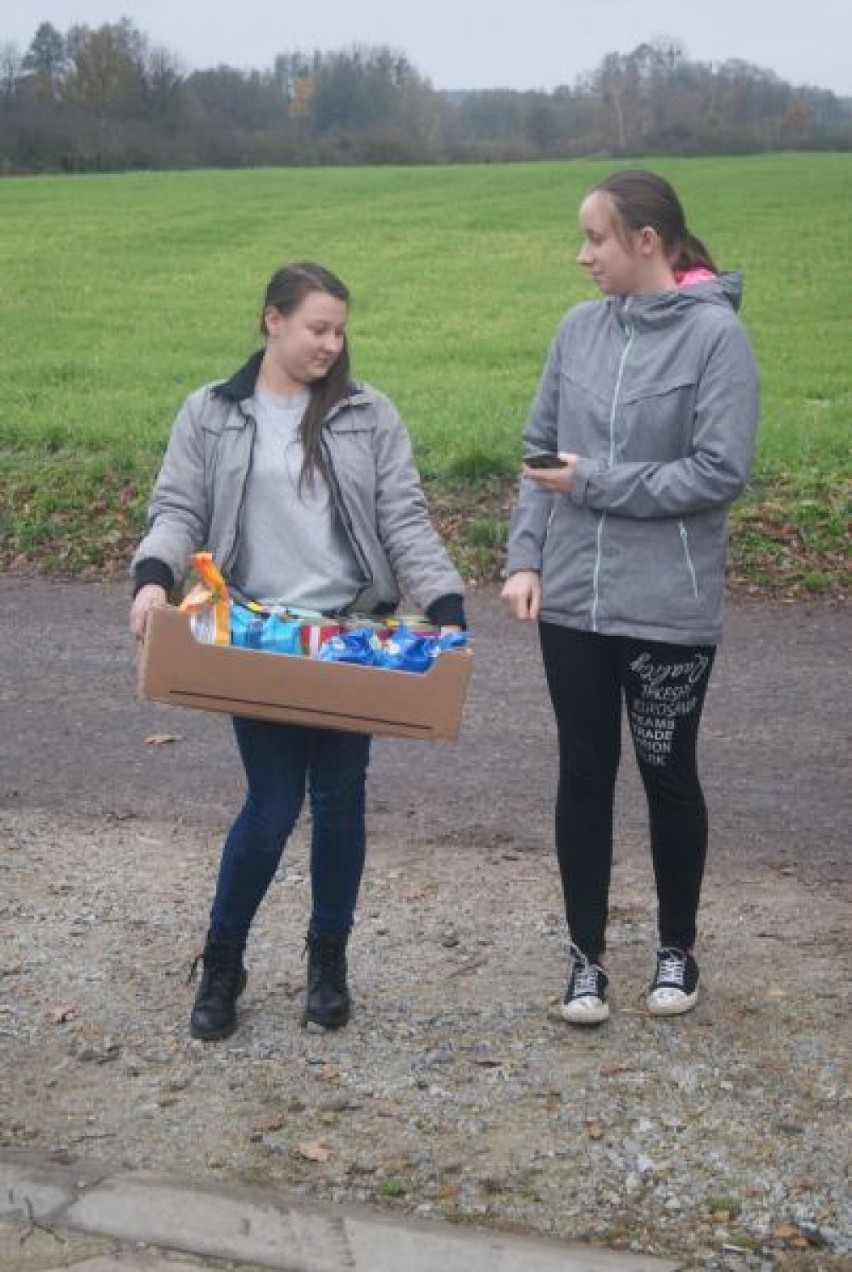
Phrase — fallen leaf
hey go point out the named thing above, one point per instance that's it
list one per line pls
(595, 1129)
(314, 1151)
(60, 1015)
(786, 1232)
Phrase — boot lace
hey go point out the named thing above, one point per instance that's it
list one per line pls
(222, 965)
(328, 956)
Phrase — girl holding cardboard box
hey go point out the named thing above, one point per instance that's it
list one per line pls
(302, 486)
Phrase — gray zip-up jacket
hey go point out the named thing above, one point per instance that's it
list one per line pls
(198, 497)
(658, 395)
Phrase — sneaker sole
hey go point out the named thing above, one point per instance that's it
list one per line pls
(585, 1015)
(672, 1006)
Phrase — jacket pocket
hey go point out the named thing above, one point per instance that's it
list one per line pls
(347, 422)
(647, 575)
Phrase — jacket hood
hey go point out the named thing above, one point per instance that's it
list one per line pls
(659, 308)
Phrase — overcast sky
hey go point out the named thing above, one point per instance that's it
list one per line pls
(477, 43)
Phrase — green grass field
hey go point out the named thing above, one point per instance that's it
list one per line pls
(119, 294)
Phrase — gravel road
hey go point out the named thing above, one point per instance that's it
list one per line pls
(721, 1138)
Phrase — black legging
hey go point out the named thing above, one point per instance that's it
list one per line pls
(663, 687)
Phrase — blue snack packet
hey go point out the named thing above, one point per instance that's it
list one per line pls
(405, 650)
(359, 645)
(270, 633)
(450, 640)
(400, 650)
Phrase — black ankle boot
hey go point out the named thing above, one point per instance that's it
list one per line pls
(328, 1002)
(214, 1013)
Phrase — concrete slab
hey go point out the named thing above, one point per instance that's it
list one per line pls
(263, 1229)
(155, 1210)
(424, 1247)
(35, 1189)
(296, 1237)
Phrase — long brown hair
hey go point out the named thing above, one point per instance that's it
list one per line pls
(285, 291)
(645, 198)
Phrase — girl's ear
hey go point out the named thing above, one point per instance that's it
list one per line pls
(271, 320)
(649, 240)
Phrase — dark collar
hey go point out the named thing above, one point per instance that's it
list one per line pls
(242, 383)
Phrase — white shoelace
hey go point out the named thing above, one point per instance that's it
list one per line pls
(585, 974)
(672, 968)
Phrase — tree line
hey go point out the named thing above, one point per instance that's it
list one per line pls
(106, 99)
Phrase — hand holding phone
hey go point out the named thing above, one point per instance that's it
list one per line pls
(544, 459)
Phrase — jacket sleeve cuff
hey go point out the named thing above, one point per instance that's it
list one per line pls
(585, 469)
(447, 611)
(152, 570)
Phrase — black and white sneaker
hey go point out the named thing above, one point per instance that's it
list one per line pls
(675, 987)
(585, 998)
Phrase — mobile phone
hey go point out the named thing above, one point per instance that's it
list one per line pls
(544, 459)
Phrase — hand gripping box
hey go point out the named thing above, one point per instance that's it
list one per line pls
(177, 669)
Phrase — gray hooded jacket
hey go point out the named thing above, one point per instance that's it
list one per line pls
(658, 394)
(198, 497)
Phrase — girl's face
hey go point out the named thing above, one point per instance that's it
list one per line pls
(616, 257)
(302, 346)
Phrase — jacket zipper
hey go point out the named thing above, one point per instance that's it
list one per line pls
(684, 538)
(616, 392)
(340, 505)
(229, 558)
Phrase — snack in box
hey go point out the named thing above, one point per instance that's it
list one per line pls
(255, 629)
(399, 643)
(397, 649)
(208, 603)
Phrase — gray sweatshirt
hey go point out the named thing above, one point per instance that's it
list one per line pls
(658, 395)
(293, 548)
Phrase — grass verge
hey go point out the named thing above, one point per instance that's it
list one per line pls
(80, 514)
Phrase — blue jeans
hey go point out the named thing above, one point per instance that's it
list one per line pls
(280, 761)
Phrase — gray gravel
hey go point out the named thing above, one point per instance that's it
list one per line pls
(721, 1137)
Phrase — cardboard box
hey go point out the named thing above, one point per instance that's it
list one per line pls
(178, 669)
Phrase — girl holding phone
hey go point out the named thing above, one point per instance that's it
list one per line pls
(649, 397)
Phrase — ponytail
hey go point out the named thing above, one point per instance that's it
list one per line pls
(694, 255)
